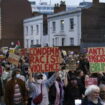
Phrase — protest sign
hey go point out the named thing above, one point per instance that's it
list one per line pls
(11, 50)
(45, 59)
(72, 65)
(90, 81)
(96, 57)
(14, 59)
(24, 51)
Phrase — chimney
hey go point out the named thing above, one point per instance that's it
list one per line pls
(60, 8)
(95, 1)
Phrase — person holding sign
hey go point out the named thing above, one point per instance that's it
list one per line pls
(40, 87)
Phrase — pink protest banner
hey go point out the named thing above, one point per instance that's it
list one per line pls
(90, 81)
(45, 59)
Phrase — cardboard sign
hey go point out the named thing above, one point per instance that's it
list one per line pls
(11, 50)
(96, 57)
(90, 81)
(24, 51)
(72, 65)
(45, 59)
(14, 59)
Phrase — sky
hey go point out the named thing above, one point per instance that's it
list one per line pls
(68, 2)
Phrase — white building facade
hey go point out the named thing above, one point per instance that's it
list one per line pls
(64, 28)
(33, 31)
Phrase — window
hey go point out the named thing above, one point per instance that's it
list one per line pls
(32, 42)
(27, 30)
(31, 30)
(53, 41)
(27, 43)
(71, 24)
(72, 41)
(56, 40)
(37, 41)
(63, 41)
(54, 26)
(62, 25)
(37, 29)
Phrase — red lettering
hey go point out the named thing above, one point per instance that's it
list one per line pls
(57, 51)
(47, 59)
(37, 51)
(47, 67)
(92, 51)
(57, 67)
(99, 51)
(36, 59)
(53, 59)
(42, 59)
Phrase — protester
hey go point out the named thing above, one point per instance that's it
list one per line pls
(84, 64)
(56, 92)
(81, 80)
(30, 92)
(41, 87)
(15, 91)
(92, 96)
(102, 94)
(72, 92)
(18, 75)
(6, 74)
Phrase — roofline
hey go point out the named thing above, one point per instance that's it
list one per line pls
(33, 18)
(78, 9)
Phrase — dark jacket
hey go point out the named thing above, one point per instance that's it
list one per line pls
(52, 94)
(71, 93)
(9, 91)
(85, 101)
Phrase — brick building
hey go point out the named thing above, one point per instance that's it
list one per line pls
(93, 25)
(12, 13)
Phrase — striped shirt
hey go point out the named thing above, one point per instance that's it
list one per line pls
(17, 95)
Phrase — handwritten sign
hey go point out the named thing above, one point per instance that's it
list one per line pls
(14, 59)
(96, 57)
(45, 59)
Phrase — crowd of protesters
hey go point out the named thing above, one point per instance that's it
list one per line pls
(19, 86)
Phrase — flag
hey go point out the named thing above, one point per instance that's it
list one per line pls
(18, 45)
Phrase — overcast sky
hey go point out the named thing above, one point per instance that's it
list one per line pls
(68, 2)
